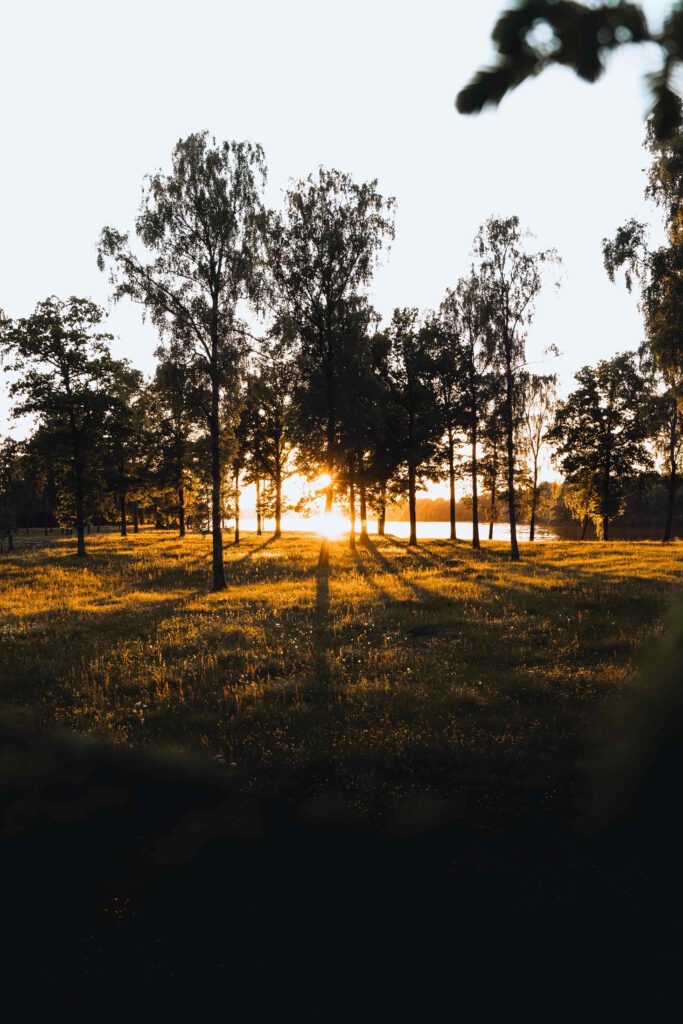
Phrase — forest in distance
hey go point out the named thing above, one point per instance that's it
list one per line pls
(365, 413)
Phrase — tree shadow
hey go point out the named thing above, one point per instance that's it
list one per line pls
(252, 551)
(423, 593)
(322, 626)
(370, 577)
(593, 578)
(427, 558)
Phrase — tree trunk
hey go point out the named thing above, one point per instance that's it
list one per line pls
(670, 505)
(80, 500)
(512, 510)
(534, 502)
(673, 479)
(10, 542)
(475, 493)
(218, 570)
(124, 514)
(412, 504)
(136, 520)
(278, 503)
(451, 486)
(237, 505)
(605, 528)
(584, 529)
(363, 499)
(181, 510)
(324, 557)
(259, 528)
(352, 504)
(382, 518)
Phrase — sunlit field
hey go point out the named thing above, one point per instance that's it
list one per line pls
(431, 674)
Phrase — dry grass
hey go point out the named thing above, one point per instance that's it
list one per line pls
(434, 673)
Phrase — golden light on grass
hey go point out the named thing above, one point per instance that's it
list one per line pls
(397, 660)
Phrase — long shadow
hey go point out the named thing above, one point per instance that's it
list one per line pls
(252, 551)
(425, 557)
(424, 593)
(322, 627)
(370, 578)
(595, 579)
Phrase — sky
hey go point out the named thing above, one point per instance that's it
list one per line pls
(96, 94)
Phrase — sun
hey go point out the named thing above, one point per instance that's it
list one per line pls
(332, 525)
(322, 482)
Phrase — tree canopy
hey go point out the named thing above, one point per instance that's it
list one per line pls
(202, 227)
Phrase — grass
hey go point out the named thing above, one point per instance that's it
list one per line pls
(424, 682)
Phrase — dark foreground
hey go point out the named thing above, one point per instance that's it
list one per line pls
(140, 890)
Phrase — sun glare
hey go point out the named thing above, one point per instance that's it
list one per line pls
(322, 482)
(331, 526)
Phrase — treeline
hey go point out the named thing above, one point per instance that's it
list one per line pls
(644, 510)
(372, 411)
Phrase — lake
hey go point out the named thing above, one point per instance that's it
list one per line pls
(425, 530)
(338, 526)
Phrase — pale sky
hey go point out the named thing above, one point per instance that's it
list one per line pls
(96, 94)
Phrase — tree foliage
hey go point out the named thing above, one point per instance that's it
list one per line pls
(201, 226)
(65, 379)
(535, 34)
(601, 434)
(513, 278)
(659, 270)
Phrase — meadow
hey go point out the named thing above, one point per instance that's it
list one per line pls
(401, 686)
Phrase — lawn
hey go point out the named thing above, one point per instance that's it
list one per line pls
(400, 686)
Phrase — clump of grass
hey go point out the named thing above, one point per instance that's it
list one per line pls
(398, 674)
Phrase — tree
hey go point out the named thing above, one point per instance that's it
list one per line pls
(385, 457)
(321, 253)
(65, 375)
(659, 271)
(201, 226)
(268, 419)
(415, 419)
(40, 464)
(173, 415)
(465, 313)
(535, 34)
(513, 280)
(539, 401)
(123, 437)
(601, 434)
(491, 464)
(668, 441)
(360, 417)
(10, 452)
(580, 497)
(448, 379)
